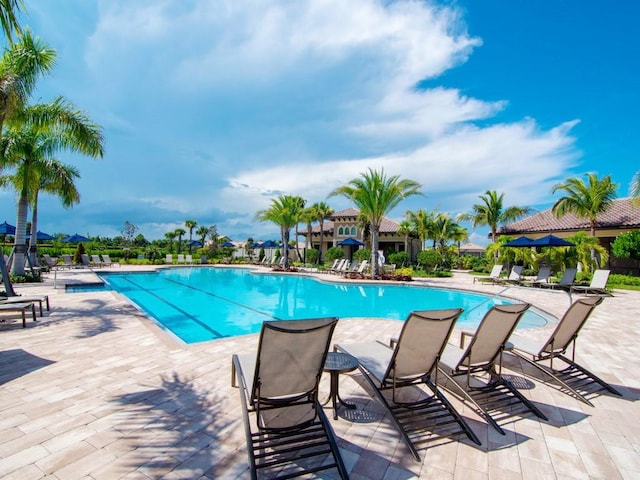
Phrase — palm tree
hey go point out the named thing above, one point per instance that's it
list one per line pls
(190, 224)
(285, 211)
(634, 188)
(179, 232)
(422, 222)
(492, 213)
(582, 251)
(302, 202)
(171, 236)
(585, 199)
(9, 10)
(56, 179)
(406, 229)
(322, 212)
(308, 216)
(202, 232)
(375, 194)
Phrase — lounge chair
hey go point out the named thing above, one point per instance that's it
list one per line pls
(413, 362)
(543, 277)
(493, 277)
(180, 258)
(597, 286)
(515, 276)
(188, 259)
(285, 424)
(20, 308)
(573, 376)
(493, 393)
(84, 258)
(168, 259)
(49, 262)
(339, 267)
(95, 260)
(566, 281)
(106, 261)
(39, 299)
(67, 261)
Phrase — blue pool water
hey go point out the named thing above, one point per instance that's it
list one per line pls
(199, 304)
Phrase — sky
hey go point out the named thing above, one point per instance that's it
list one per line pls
(210, 109)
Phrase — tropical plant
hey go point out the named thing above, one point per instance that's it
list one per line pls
(202, 232)
(300, 218)
(400, 259)
(312, 256)
(170, 236)
(321, 212)
(190, 224)
(9, 11)
(585, 199)
(179, 232)
(492, 213)
(627, 245)
(422, 222)
(334, 253)
(586, 252)
(406, 229)
(308, 216)
(285, 211)
(375, 194)
(362, 254)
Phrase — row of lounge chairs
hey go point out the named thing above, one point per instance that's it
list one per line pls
(284, 420)
(181, 259)
(598, 284)
(85, 259)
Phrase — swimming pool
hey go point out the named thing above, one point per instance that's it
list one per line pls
(198, 304)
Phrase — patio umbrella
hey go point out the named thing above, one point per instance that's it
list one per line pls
(351, 242)
(520, 242)
(75, 238)
(268, 244)
(41, 236)
(551, 241)
(227, 244)
(195, 243)
(6, 229)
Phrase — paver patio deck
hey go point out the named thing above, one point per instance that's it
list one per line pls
(95, 390)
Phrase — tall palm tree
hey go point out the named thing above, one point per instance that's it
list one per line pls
(422, 222)
(322, 212)
(9, 11)
(285, 211)
(307, 217)
(57, 179)
(582, 250)
(302, 202)
(170, 236)
(634, 188)
(24, 147)
(492, 213)
(202, 232)
(375, 194)
(180, 232)
(190, 224)
(585, 199)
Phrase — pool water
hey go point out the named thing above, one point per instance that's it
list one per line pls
(199, 304)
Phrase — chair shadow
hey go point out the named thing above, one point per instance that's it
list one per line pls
(18, 362)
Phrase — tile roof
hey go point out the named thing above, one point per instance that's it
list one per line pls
(622, 214)
(387, 225)
(347, 212)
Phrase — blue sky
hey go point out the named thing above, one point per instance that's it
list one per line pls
(210, 109)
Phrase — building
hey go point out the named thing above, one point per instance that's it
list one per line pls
(346, 224)
(622, 217)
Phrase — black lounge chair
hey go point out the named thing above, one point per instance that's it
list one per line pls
(413, 362)
(287, 431)
(572, 377)
(494, 394)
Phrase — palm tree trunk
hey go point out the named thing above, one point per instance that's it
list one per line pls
(285, 247)
(8, 287)
(321, 240)
(17, 268)
(33, 241)
(375, 268)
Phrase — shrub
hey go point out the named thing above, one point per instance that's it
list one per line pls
(400, 259)
(362, 254)
(429, 258)
(333, 254)
(312, 255)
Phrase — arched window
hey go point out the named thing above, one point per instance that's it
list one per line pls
(340, 231)
(354, 231)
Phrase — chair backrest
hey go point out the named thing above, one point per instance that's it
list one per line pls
(496, 271)
(422, 340)
(599, 279)
(180, 258)
(544, 273)
(290, 359)
(362, 266)
(96, 259)
(168, 258)
(106, 259)
(85, 259)
(335, 264)
(48, 260)
(492, 333)
(67, 259)
(188, 259)
(570, 324)
(568, 277)
(516, 272)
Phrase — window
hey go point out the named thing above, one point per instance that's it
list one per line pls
(341, 231)
(354, 231)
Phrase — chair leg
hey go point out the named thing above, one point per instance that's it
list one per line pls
(591, 375)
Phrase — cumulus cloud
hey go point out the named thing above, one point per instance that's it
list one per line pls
(214, 108)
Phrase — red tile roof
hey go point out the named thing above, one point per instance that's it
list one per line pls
(622, 214)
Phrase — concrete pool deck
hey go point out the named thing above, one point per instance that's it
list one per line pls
(95, 390)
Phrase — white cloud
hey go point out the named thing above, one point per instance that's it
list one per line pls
(211, 108)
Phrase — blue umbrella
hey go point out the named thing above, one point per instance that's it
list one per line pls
(41, 236)
(195, 243)
(6, 229)
(350, 241)
(551, 241)
(520, 242)
(268, 244)
(227, 244)
(75, 238)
